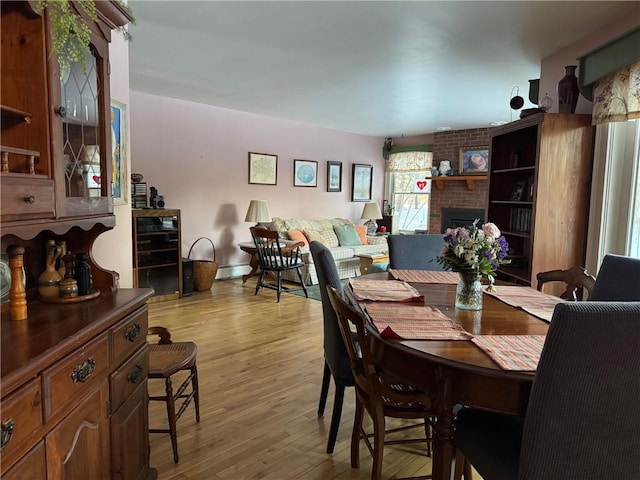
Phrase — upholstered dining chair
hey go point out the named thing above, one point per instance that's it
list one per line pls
(275, 257)
(167, 358)
(377, 393)
(336, 359)
(576, 280)
(415, 252)
(618, 280)
(586, 382)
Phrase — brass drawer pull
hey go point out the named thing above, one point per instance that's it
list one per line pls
(7, 433)
(135, 374)
(83, 371)
(133, 332)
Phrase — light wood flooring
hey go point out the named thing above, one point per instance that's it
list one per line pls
(260, 367)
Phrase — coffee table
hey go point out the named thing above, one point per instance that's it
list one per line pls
(366, 260)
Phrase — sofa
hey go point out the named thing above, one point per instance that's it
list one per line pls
(337, 234)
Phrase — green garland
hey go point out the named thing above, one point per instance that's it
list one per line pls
(70, 34)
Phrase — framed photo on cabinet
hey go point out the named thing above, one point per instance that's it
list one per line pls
(263, 169)
(334, 176)
(361, 182)
(305, 173)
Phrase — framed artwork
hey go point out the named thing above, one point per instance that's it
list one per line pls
(305, 173)
(119, 177)
(334, 176)
(474, 160)
(361, 182)
(263, 168)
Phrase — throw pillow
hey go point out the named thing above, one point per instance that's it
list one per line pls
(297, 236)
(327, 237)
(361, 230)
(347, 235)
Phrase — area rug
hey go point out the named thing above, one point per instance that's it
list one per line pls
(313, 291)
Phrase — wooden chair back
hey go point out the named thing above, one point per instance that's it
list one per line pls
(272, 254)
(576, 278)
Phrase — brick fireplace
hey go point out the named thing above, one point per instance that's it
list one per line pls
(460, 217)
(455, 195)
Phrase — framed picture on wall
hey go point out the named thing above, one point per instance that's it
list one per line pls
(119, 177)
(263, 168)
(474, 160)
(305, 173)
(334, 176)
(361, 182)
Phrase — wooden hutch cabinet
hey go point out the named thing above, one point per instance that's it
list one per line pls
(538, 195)
(74, 372)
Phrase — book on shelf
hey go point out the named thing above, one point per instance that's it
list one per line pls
(520, 219)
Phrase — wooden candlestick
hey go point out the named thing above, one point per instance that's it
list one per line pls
(17, 294)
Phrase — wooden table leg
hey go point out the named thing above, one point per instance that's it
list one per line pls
(254, 264)
(443, 436)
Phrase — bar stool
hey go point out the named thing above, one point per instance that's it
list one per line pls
(165, 359)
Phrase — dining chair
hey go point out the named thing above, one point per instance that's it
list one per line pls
(167, 358)
(378, 393)
(275, 257)
(618, 280)
(576, 280)
(582, 419)
(415, 252)
(336, 359)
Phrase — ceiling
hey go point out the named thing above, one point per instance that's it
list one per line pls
(376, 68)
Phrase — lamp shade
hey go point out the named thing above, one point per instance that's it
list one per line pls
(371, 211)
(258, 211)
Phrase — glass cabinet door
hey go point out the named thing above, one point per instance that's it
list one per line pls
(80, 90)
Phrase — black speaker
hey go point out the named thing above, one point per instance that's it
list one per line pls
(188, 285)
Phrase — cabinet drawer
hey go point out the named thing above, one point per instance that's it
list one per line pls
(128, 377)
(26, 198)
(21, 417)
(75, 375)
(129, 335)
(33, 466)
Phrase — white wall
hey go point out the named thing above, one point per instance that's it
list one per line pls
(112, 249)
(197, 157)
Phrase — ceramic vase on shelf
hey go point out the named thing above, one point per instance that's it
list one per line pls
(49, 280)
(469, 292)
(568, 91)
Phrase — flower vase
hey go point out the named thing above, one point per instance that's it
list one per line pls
(568, 91)
(469, 292)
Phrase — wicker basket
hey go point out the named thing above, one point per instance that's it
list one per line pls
(204, 271)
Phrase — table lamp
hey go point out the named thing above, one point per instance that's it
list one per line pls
(372, 212)
(258, 211)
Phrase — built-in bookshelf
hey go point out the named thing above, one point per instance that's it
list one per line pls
(538, 194)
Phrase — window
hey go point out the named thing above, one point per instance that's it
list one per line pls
(614, 222)
(408, 190)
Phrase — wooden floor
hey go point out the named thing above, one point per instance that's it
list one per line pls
(260, 367)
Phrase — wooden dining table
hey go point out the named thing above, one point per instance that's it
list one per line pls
(457, 372)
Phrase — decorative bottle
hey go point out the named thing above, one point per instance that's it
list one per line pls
(568, 91)
(63, 252)
(83, 274)
(69, 285)
(49, 280)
